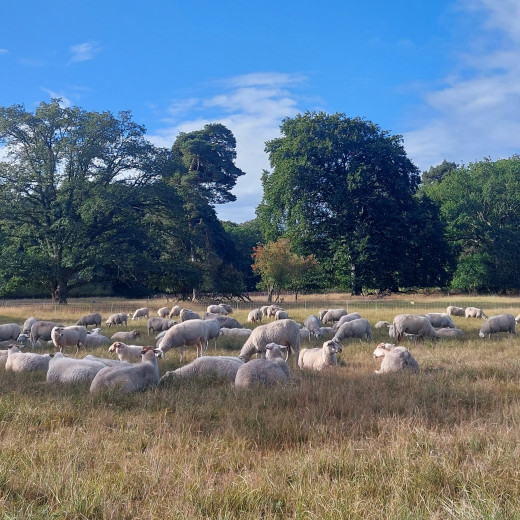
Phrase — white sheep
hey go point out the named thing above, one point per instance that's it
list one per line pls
(96, 340)
(381, 325)
(74, 336)
(9, 331)
(440, 320)
(320, 358)
(28, 323)
(143, 312)
(133, 378)
(322, 313)
(42, 330)
(228, 308)
(118, 318)
(126, 335)
(327, 332)
(271, 310)
(25, 341)
(451, 310)
(448, 332)
(187, 333)
(18, 361)
(221, 368)
(163, 312)
(156, 324)
(313, 325)
(497, 324)
(241, 333)
(517, 319)
(254, 316)
(213, 331)
(395, 358)
(90, 319)
(269, 371)
(175, 311)
(305, 334)
(187, 314)
(333, 315)
(229, 323)
(280, 314)
(216, 309)
(475, 312)
(264, 310)
(108, 362)
(131, 353)
(64, 369)
(412, 324)
(3, 357)
(346, 318)
(281, 332)
(358, 328)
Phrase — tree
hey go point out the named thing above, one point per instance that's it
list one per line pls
(342, 189)
(437, 173)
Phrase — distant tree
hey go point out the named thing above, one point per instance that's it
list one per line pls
(437, 173)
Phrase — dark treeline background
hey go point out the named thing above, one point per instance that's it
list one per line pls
(89, 207)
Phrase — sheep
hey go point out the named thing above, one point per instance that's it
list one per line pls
(282, 332)
(175, 311)
(28, 323)
(474, 312)
(497, 324)
(25, 341)
(74, 336)
(381, 325)
(131, 378)
(322, 313)
(346, 318)
(96, 340)
(264, 309)
(305, 334)
(158, 324)
(440, 320)
(187, 333)
(107, 361)
(313, 325)
(269, 371)
(126, 336)
(221, 368)
(271, 310)
(9, 331)
(254, 316)
(229, 323)
(242, 333)
(213, 330)
(119, 318)
(413, 324)
(64, 369)
(358, 328)
(3, 357)
(163, 312)
(228, 308)
(394, 358)
(281, 315)
(42, 330)
(18, 361)
(333, 315)
(447, 332)
(320, 358)
(90, 319)
(517, 319)
(131, 353)
(216, 309)
(187, 314)
(143, 312)
(451, 310)
(327, 332)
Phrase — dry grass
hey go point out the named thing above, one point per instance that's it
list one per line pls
(344, 444)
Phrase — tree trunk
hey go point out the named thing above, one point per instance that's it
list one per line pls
(356, 286)
(59, 292)
(270, 296)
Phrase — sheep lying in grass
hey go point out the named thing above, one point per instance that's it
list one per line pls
(475, 312)
(64, 369)
(320, 358)
(106, 361)
(449, 333)
(313, 325)
(229, 323)
(381, 325)
(412, 324)
(119, 318)
(440, 320)
(497, 324)
(228, 308)
(358, 328)
(237, 333)
(132, 378)
(96, 340)
(131, 353)
(126, 335)
(221, 368)
(346, 318)
(18, 361)
(74, 336)
(394, 358)
(451, 310)
(25, 341)
(269, 371)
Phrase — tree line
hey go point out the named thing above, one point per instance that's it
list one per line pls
(88, 204)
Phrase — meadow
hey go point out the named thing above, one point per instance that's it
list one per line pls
(343, 444)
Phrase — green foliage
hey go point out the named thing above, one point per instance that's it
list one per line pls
(437, 173)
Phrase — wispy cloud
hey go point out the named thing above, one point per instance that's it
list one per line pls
(65, 101)
(84, 51)
(3, 51)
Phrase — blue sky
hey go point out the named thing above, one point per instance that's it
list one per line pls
(444, 74)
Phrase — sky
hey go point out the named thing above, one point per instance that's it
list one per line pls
(444, 74)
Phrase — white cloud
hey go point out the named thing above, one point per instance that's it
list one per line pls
(84, 51)
(3, 51)
(64, 103)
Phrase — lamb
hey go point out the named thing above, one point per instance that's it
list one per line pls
(281, 315)
(220, 368)
(381, 325)
(96, 340)
(449, 333)
(126, 336)
(64, 369)
(313, 325)
(333, 315)
(130, 353)
(394, 359)
(451, 310)
(90, 319)
(412, 324)
(475, 312)
(282, 332)
(254, 316)
(358, 328)
(269, 371)
(28, 323)
(117, 319)
(143, 312)
(131, 378)
(440, 320)
(163, 312)
(346, 318)
(216, 309)
(175, 311)
(158, 324)
(497, 324)
(42, 330)
(18, 361)
(242, 333)
(191, 332)
(320, 358)
(187, 314)
(9, 331)
(74, 336)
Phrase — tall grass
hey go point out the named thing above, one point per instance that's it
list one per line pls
(347, 443)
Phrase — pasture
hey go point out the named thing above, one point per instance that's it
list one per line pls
(345, 443)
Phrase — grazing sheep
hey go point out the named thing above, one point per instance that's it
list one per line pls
(264, 309)
(9, 331)
(269, 371)
(90, 319)
(305, 334)
(64, 369)
(220, 368)
(327, 332)
(119, 318)
(281, 315)
(228, 308)
(74, 336)
(320, 358)
(42, 330)
(25, 341)
(131, 378)
(143, 312)
(187, 314)
(322, 313)
(229, 323)
(497, 324)
(213, 331)
(412, 324)
(158, 324)
(187, 333)
(163, 312)
(333, 315)
(313, 325)
(18, 361)
(238, 333)
(451, 310)
(216, 309)
(358, 328)
(394, 358)
(175, 311)
(346, 318)
(28, 323)
(130, 353)
(381, 325)
(475, 312)
(254, 316)
(126, 336)
(282, 332)
(440, 320)
(449, 333)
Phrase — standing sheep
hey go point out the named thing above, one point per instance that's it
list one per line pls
(412, 324)
(254, 316)
(216, 309)
(212, 330)
(320, 358)
(119, 318)
(163, 312)
(269, 371)
(28, 323)
(358, 328)
(90, 319)
(9, 331)
(237, 333)
(229, 323)
(74, 336)
(143, 312)
(451, 310)
(333, 315)
(187, 314)
(187, 333)
(228, 308)
(42, 330)
(497, 324)
(344, 319)
(440, 320)
(313, 325)
(175, 311)
(281, 315)
(474, 312)
(394, 358)
(156, 324)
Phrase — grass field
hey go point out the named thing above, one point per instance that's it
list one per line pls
(346, 444)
